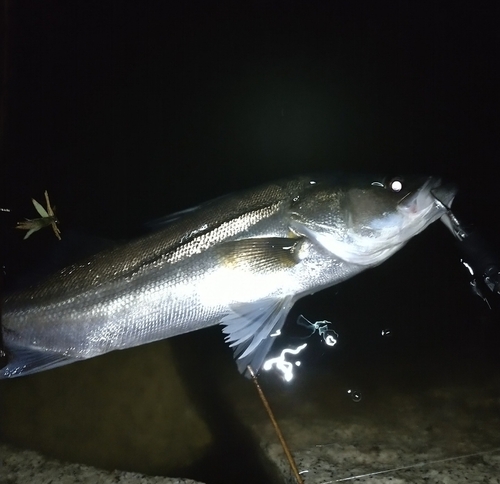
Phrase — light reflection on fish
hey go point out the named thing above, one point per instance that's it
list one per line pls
(241, 260)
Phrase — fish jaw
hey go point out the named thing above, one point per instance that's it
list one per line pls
(377, 238)
(430, 203)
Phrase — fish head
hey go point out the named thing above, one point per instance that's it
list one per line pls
(364, 220)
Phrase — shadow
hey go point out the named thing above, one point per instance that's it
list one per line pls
(205, 365)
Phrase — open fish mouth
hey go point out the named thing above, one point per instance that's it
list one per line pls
(444, 195)
(432, 197)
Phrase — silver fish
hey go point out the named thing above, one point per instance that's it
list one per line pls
(241, 260)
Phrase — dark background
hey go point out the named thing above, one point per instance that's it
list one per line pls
(126, 111)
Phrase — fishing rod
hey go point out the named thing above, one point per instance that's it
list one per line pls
(482, 262)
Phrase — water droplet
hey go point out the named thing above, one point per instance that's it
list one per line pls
(355, 395)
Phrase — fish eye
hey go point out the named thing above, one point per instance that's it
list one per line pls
(396, 185)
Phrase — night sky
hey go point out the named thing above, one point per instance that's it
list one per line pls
(126, 111)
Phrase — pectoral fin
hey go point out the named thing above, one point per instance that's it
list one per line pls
(261, 254)
(249, 328)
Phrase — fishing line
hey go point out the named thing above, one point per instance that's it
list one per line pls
(419, 464)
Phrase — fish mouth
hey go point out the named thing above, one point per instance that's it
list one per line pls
(444, 195)
(431, 193)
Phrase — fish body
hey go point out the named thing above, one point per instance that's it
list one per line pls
(241, 260)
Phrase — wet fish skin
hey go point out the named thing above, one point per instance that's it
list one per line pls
(241, 260)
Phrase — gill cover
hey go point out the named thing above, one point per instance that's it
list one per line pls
(365, 220)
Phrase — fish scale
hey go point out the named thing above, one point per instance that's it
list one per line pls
(241, 260)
